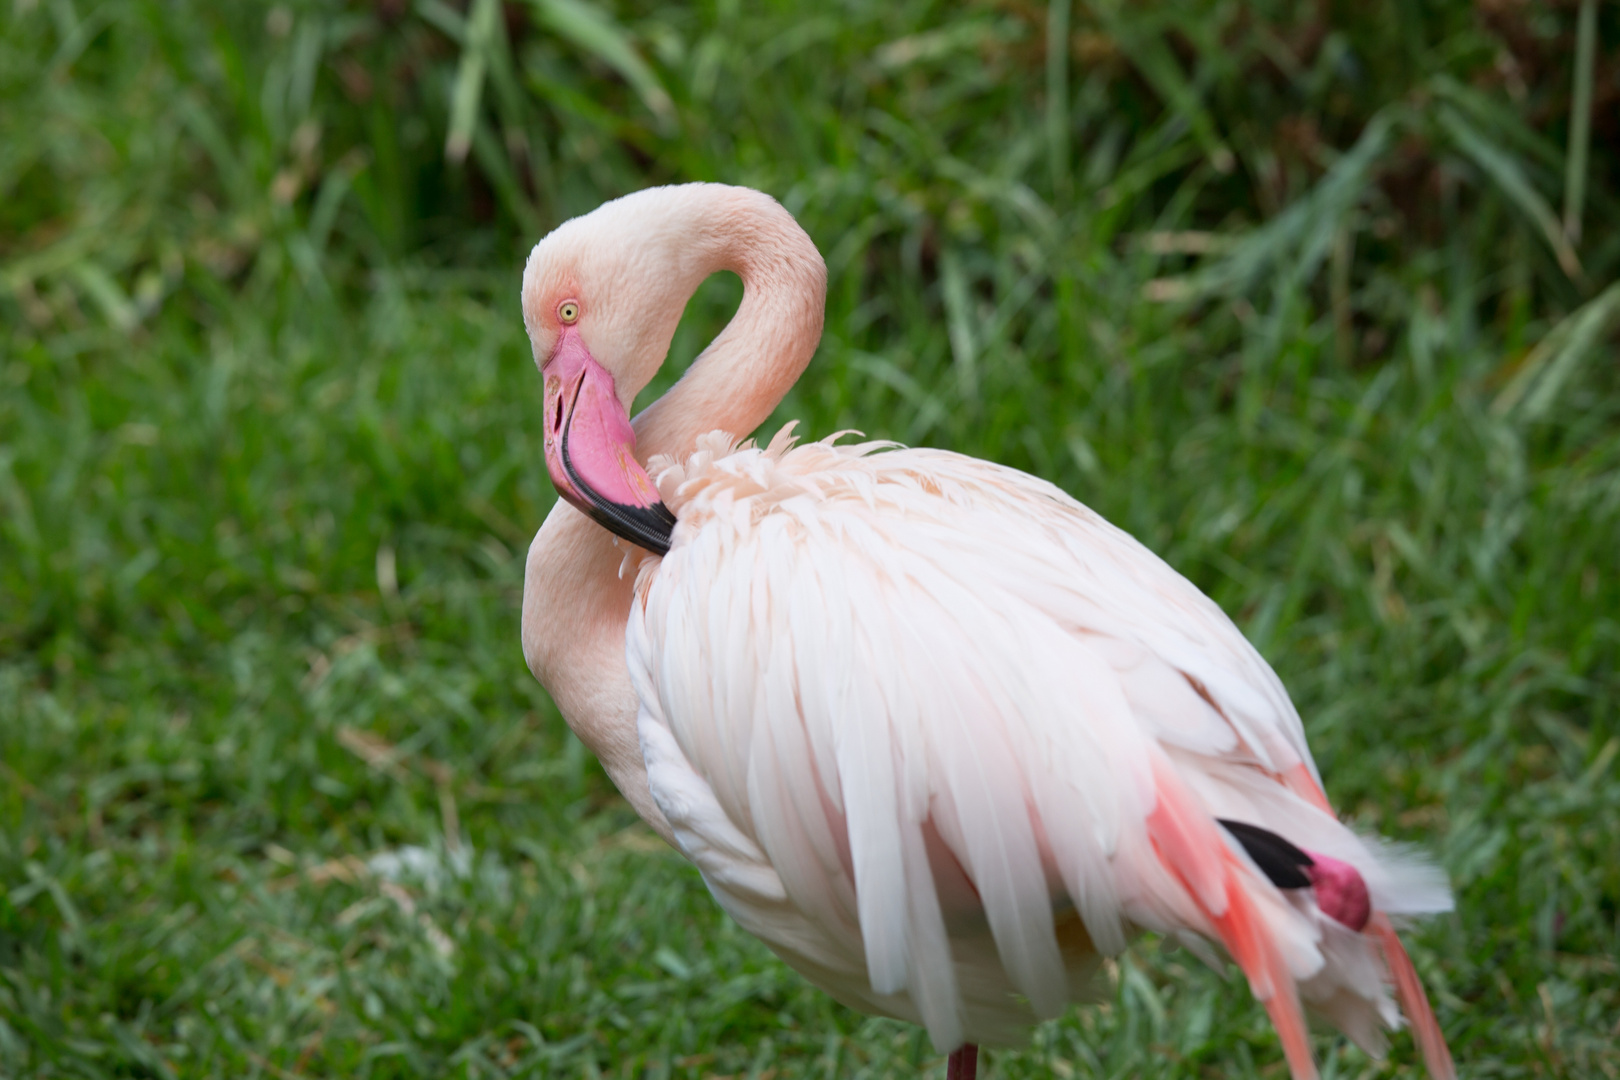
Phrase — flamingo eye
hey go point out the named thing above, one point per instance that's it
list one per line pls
(568, 312)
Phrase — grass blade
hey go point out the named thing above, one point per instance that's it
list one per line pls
(1308, 226)
(1497, 116)
(959, 320)
(1552, 362)
(446, 19)
(106, 294)
(469, 86)
(1580, 121)
(1159, 66)
(1501, 167)
(329, 200)
(1057, 97)
(587, 26)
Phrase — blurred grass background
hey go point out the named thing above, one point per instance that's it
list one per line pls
(1317, 299)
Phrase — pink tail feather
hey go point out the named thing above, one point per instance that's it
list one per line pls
(1245, 936)
(1191, 849)
(1414, 1002)
(1408, 987)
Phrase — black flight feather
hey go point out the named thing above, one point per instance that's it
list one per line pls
(1279, 860)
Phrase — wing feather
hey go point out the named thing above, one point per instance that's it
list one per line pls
(906, 711)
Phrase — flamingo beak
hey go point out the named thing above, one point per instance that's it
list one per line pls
(591, 449)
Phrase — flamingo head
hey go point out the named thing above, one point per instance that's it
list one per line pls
(602, 295)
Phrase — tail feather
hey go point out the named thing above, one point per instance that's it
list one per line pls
(1228, 892)
(1244, 933)
(1408, 987)
(1414, 1002)
(1192, 850)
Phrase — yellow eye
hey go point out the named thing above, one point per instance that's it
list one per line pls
(568, 312)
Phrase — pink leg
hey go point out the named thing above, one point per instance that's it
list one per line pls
(963, 1064)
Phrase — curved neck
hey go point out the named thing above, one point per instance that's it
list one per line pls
(575, 604)
(735, 383)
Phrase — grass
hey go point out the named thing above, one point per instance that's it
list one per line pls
(1294, 300)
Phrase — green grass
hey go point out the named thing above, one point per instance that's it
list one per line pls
(1293, 301)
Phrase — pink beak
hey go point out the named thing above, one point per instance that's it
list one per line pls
(591, 449)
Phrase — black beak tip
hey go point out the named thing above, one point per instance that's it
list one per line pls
(648, 527)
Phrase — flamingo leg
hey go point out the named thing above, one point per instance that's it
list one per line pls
(963, 1063)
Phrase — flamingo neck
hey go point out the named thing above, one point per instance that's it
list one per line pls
(735, 383)
(575, 604)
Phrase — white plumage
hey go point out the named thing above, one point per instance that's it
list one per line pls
(947, 661)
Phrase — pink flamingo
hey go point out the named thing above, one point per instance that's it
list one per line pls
(935, 732)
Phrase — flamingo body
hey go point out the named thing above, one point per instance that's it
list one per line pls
(910, 713)
(935, 732)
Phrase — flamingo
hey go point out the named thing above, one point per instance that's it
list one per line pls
(939, 735)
